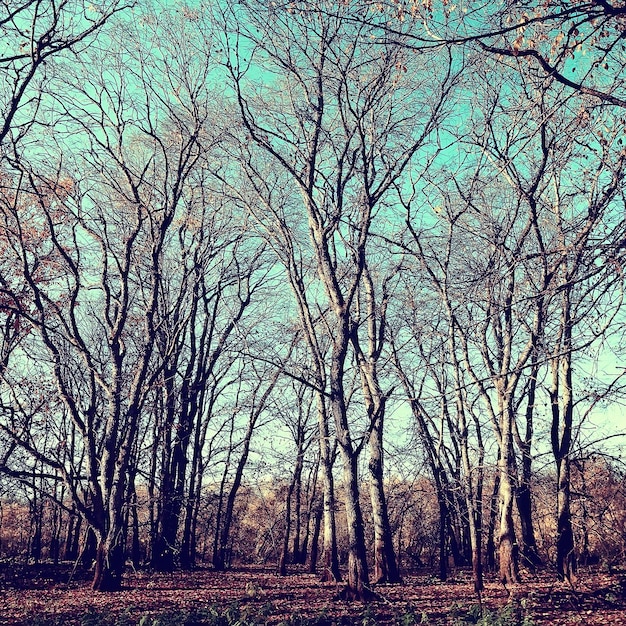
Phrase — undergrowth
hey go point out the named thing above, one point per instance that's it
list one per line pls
(512, 614)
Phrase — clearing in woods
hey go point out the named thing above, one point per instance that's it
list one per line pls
(51, 596)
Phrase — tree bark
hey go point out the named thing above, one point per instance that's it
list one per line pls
(507, 543)
(562, 403)
(330, 556)
(385, 563)
(315, 536)
(358, 574)
(109, 564)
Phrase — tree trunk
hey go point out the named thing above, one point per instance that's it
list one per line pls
(561, 434)
(317, 523)
(523, 499)
(220, 550)
(565, 547)
(330, 556)
(296, 546)
(194, 491)
(109, 565)
(443, 535)
(358, 575)
(385, 563)
(507, 544)
(163, 550)
(523, 494)
(490, 547)
(135, 551)
(284, 555)
(72, 537)
(293, 493)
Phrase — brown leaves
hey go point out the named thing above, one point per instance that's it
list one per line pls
(599, 598)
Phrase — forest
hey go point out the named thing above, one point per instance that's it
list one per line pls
(320, 290)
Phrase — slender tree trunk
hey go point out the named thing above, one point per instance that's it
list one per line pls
(473, 505)
(109, 565)
(443, 536)
(36, 523)
(72, 537)
(507, 543)
(565, 547)
(385, 564)
(561, 394)
(317, 523)
(358, 574)
(284, 555)
(55, 535)
(293, 497)
(194, 491)
(490, 547)
(220, 555)
(523, 499)
(330, 556)
(135, 546)
(296, 546)
(523, 495)
(164, 536)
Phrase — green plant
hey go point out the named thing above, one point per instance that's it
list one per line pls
(99, 618)
(298, 619)
(368, 617)
(512, 614)
(409, 617)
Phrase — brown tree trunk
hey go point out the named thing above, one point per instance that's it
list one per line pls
(330, 557)
(442, 538)
(523, 494)
(72, 537)
(284, 555)
(385, 563)
(317, 523)
(109, 566)
(562, 400)
(507, 543)
(358, 575)
(565, 547)
(523, 500)
(166, 524)
(490, 547)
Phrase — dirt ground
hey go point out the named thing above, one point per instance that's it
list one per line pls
(47, 595)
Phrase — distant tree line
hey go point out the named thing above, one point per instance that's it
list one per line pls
(369, 250)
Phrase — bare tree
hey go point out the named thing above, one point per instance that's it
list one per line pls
(577, 46)
(89, 240)
(209, 279)
(34, 33)
(339, 126)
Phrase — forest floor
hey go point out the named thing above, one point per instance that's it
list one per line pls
(45, 595)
